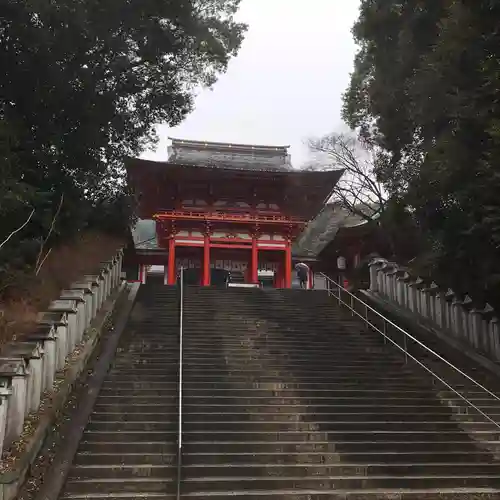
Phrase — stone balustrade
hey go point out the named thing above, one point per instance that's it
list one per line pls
(478, 327)
(28, 368)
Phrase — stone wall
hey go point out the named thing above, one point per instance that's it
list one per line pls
(28, 368)
(443, 309)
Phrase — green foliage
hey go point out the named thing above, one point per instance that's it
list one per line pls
(425, 89)
(84, 83)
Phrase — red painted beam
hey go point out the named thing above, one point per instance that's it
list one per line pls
(227, 217)
(226, 245)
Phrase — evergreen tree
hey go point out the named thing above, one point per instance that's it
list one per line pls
(425, 89)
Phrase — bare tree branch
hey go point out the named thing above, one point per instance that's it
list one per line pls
(37, 270)
(358, 191)
(41, 259)
(18, 229)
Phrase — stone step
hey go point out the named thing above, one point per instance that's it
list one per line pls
(312, 434)
(320, 406)
(283, 399)
(290, 372)
(104, 406)
(271, 425)
(343, 381)
(266, 388)
(365, 494)
(127, 458)
(290, 444)
(120, 495)
(354, 435)
(235, 347)
(124, 471)
(129, 436)
(269, 359)
(250, 392)
(113, 487)
(284, 415)
(452, 458)
(89, 447)
(295, 470)
(168, 426)
(222, 377)
(256, 366)
(264, 482)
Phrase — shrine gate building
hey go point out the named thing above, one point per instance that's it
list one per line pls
(229, 207)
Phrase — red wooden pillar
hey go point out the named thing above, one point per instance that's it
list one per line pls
(288, 265)
(206, 261)
(254, 264)
(278, 277)
(310, 276)
(171, 261)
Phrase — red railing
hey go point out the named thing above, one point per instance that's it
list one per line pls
(227, 216)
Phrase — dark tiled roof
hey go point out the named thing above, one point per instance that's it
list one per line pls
(144, 235)
(323, 229)
(229, 156)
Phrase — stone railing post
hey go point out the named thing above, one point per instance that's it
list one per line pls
(449, 297)
(106, 272)
(46, 335)
(93, 282)
(413, 295)
(406, 291)
(391, 270)
(78, 296)
(32, 353)
(482, 329)
(119, 266)
(99, 279)
(457, 317)
(431, 293)
(374, 267)
(69, 307)
(494, 334)
(401, 288)
(380, 276)
(441, 309)
(13, 377)
(477, 333)
(419, 285)
(467, 319)
(5, 393)
(88, 294)
(59, 321)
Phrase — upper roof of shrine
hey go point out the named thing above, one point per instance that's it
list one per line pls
(224, 171)
(229, 156)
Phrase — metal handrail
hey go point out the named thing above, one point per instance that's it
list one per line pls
(405, 350)
(180, 381)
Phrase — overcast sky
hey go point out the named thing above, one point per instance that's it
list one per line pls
(286, 83)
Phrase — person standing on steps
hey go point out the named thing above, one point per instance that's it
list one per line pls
(302, 273)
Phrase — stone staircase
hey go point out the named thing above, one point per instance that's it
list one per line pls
(285, 397)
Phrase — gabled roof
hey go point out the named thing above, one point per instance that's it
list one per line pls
(229, 156)
(144, 235)
(324, 228)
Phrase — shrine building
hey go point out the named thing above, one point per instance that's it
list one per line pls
(225, 207)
